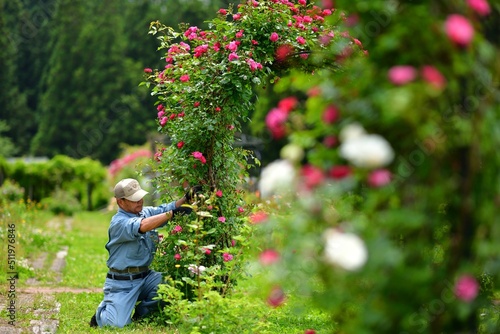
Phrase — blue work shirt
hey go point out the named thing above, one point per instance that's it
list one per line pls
(128, 247)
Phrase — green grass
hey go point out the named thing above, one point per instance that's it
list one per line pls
(41, 232)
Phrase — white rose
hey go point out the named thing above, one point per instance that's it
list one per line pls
(276, 178)
(351, 131)
(345, 250)
(368, 151)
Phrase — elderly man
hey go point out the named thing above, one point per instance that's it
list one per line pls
(131, 247)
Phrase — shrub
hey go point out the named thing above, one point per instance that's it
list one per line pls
(62, 202)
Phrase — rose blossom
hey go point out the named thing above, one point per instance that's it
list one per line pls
(276, 177)
(466, 288)
(459, 29)
(399, 75)
(312, 176)
(184, 78)
(274, 37)
(379, 178)
(222, 219)
(233, 56)
(330, 115)
(479, 6)
(227, 257)
(269, 256)
(431, 75)
(345, 250)
(258, 217)
(369, 151)
(275, 120)
(276, 297)
(218, 193)
(339, 172)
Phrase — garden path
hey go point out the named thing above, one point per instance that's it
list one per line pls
(39, 301)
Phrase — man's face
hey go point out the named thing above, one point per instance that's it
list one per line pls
(129, 206)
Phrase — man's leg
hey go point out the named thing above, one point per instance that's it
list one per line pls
(147, 293)
(119, 301)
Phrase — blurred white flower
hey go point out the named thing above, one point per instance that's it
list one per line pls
(276, 178)
(196, 270)
(368, 151)
(292, 152)
(345, 250)
(351, 131)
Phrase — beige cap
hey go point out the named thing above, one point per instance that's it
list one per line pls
(129, 189)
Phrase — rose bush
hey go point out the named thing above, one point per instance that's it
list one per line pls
(205, 92)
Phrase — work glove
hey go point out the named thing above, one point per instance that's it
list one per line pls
(182, 210)
(191, 193)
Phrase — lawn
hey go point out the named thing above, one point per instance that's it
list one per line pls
(83, 276)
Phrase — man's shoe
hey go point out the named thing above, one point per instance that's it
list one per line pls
(93, 321)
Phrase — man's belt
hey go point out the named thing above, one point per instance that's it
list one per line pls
(125, 277)
(129, 270)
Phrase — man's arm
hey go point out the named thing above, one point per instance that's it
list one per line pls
(152, 222)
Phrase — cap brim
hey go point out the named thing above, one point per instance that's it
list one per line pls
(137, 196)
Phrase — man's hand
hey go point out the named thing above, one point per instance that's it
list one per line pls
(191, 193)
(182, 210)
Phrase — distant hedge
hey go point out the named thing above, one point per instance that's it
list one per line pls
(84, 179)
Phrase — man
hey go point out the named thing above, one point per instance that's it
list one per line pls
(131, 247)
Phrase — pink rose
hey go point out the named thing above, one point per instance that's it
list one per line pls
(312, 176)
(330, 115)
(180, 144)
(330, 141)
(258, 217)
(148, 70)
(274, 37)
(433, 76)
(459, 29)
(227, 257)
(163, 121)
(479, 6)
(288, 103)
(233, 56)
(222, 219)
(184, 78)
(222, 11)
(218, 193)
(402, 74)
(301, 40)
(466, 288)
(339, 172)
(275, 120)
(177, 257)
(269, 256)
(379, 178)
(276, 297)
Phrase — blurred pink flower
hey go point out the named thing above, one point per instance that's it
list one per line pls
(479, 6)
(222, 219)
(276, 297)
(312, 176)
(232, 46)
(466, 288)
(402, 74)
(269, 256)
(207, 250)
(177, 256)
(330, 141)
(433, 76)
(331, 114)
(236, 17)
(275, 121)
(180, 144)
(309, 331)
(233, 56)
(459, 29)
(301, 40)
(163, 121)
(148, 70)
(227, 257)
(184, 78)
(288, 103)
(177, 229)
(258, 217)
(199, 156)
(218, 193)
(222, 11)
(274, 37)
(379, 178)
(339, 172)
